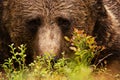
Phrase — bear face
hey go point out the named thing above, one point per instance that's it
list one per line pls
(42, 24)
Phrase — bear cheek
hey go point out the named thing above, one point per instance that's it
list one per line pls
(48, 40)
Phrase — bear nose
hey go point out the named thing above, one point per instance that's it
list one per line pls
(55, 58)
(53, 61)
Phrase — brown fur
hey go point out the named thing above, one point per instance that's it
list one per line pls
(42, 24)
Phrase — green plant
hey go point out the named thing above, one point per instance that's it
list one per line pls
(84, 47)
(13, 73)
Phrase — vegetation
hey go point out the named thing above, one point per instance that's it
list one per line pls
(45, 68)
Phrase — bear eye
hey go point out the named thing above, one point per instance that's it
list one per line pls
(64, 23)
(33, 24)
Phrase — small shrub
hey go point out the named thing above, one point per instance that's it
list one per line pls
(13, 73)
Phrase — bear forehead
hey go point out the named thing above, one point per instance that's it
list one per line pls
(51, 6)
(78, 11)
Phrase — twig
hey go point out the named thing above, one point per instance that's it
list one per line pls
(103, 59)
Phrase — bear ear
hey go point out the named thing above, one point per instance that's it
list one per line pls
(108, 19)
(112, 8)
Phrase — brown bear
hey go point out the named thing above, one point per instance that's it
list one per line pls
(42, 25)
